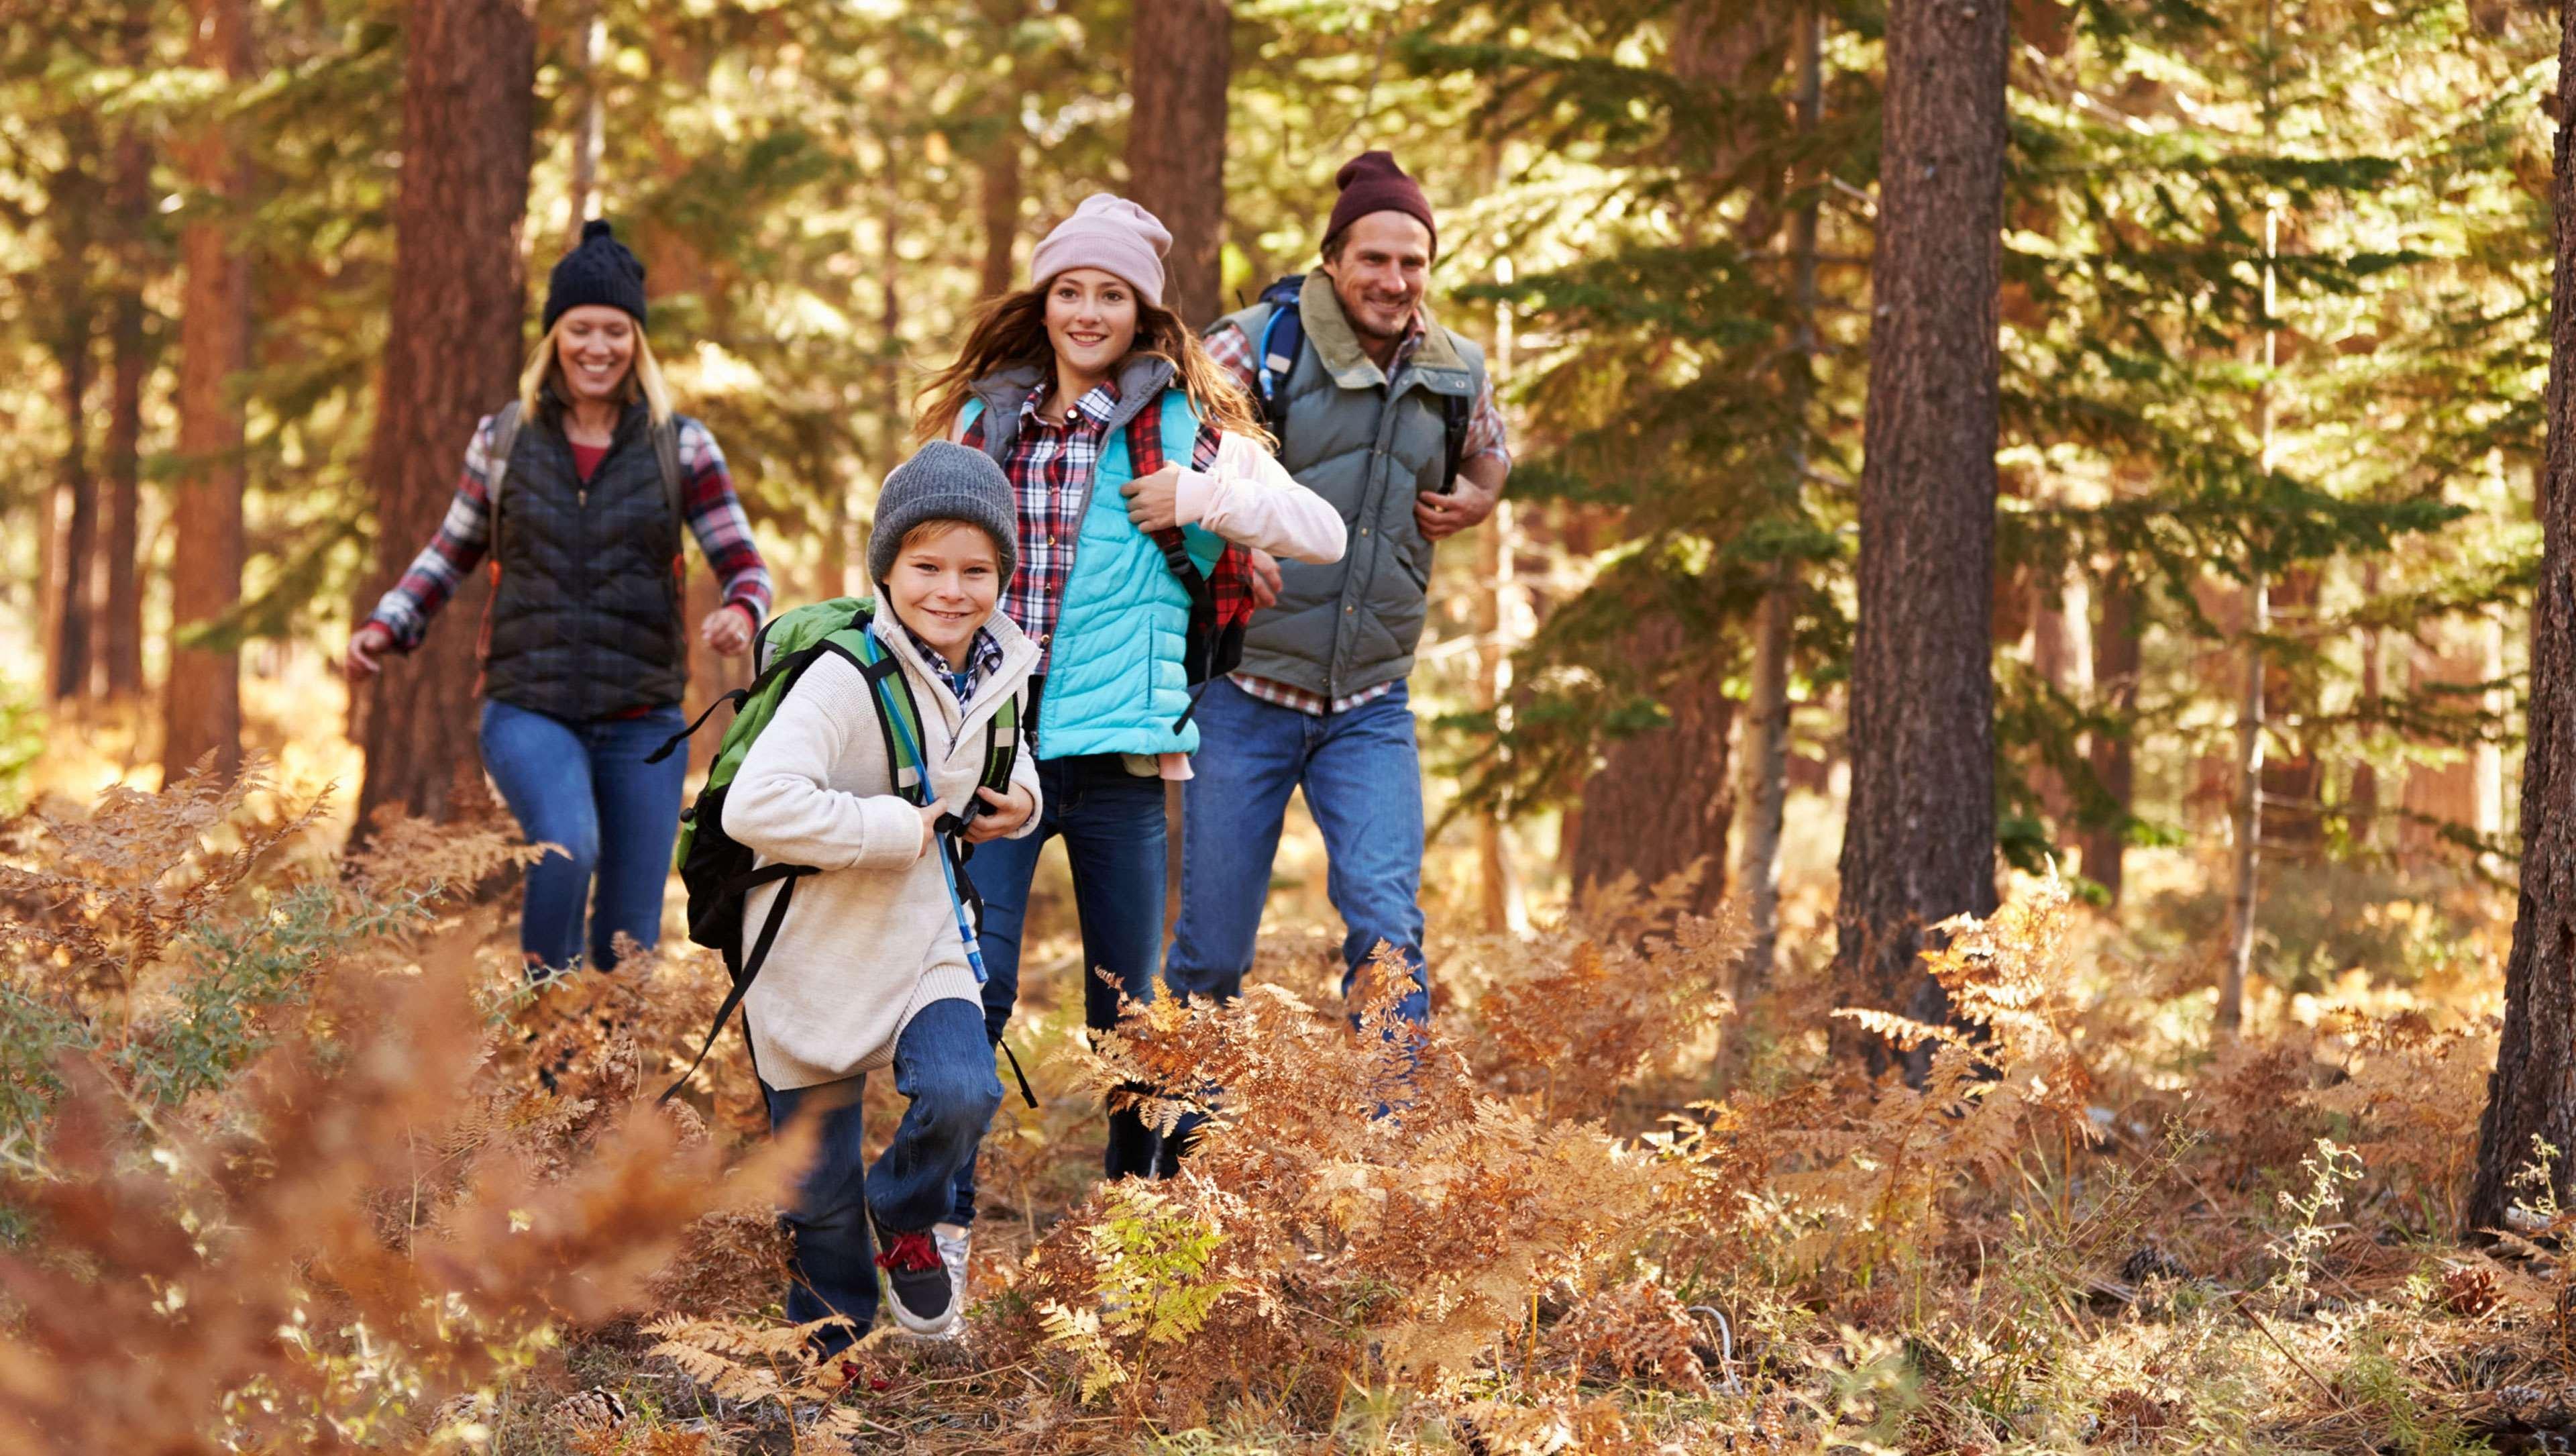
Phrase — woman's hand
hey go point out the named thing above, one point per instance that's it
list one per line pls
(727, 629)
(1153, 501)
(370, 641)
(1008, 813)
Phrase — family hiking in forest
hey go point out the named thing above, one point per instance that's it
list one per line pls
(1122, 554)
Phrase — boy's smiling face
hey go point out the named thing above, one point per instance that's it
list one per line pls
(945, 580)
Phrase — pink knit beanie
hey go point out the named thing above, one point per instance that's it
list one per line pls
(1113, 235)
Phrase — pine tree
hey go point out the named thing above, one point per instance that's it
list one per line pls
(202, 699)
(452, 356)
(1919, 843)
(2530, 1118)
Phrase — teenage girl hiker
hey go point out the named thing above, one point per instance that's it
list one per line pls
(590, 483)
(873, 964)
(1111, 423)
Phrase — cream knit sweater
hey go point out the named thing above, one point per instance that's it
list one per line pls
(872, 939)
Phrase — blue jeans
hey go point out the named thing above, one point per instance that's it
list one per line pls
(1362, 774)
(1112, 825)
(944, 1065)
(586, 788)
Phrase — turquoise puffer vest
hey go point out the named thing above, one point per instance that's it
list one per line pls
(1115, 679)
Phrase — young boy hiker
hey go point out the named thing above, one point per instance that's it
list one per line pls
(876, 961)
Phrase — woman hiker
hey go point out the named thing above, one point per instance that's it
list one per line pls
(1120, 438)
(580, 492)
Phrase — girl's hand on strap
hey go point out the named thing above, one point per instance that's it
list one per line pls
(1153, 501)
(1008, 812)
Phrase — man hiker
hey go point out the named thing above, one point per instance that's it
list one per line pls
(1391, 418)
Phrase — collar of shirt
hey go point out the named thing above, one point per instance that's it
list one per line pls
(1414, 334)
(983, 655)
(1093, 410)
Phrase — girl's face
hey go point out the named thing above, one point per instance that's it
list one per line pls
(1091, 320)
(943, 585)
(594, 347)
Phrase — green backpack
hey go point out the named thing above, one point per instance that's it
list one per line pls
(720, 872)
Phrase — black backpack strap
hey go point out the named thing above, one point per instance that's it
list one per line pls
(675, 480)
(741, 885)
(1456, 411)
(1027, 1096)
(496, 469)
(737, 697)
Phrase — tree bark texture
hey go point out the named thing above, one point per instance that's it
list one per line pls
(2116, 661)
(201, 701)
(2532, 1092)
(1000, 182)
(453, 355)
(120, 626)
(1661, 799)
(76, 593)
(1919, 840)
(1178, 64)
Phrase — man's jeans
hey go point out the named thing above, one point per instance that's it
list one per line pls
(943, 1064)
(1362, 774)
(1112, 824)
(586, 788)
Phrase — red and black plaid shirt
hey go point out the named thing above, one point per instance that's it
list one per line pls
(1049, 465)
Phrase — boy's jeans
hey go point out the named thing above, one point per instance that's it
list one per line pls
(1362, 774)
(586, 788)
(1112, 824)
(943, 1064)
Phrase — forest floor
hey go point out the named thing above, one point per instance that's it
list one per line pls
(1616, 1212)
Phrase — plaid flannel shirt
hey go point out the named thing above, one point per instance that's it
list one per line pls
(983, 657)
(1049, 464)
(1486, 438)
(708, 504)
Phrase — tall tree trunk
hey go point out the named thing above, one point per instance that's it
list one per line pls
(999, 176)
(1177, 67)
(76, 596)
(2531, 1097)
(1919, 840)
(120, 626)
(452, 356)
(1501, 604)
(2116, 659)
(1660, 802)
(2244, 899)
(201, 701)
(591, 131)
(1762, 801)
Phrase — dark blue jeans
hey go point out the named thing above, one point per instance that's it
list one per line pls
(1362, 775)
(1111, 822)
(586, 788)
(944, 1065)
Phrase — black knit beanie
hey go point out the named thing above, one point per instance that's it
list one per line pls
(598, 270)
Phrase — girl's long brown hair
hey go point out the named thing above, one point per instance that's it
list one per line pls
(1011, 330)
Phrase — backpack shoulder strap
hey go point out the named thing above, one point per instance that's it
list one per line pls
(898, 715)
(1456, 410)
(1002, 745)
(1274, 353)
(675, 479)
(496, 468)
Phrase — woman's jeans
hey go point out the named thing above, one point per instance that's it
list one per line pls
(586, 789)
(943, 1064)
(1112, 824)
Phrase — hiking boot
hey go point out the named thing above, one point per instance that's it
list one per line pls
(953, 1240)
(924, 1303)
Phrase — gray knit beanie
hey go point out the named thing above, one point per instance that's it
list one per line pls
(945, 481)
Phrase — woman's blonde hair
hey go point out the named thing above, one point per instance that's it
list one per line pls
(1011, 330)
(643, 376)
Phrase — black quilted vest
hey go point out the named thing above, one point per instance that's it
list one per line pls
(586, 616)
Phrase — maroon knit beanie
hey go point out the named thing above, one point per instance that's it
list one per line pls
(1372, 182)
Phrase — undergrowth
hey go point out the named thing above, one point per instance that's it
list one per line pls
(294, 1162)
